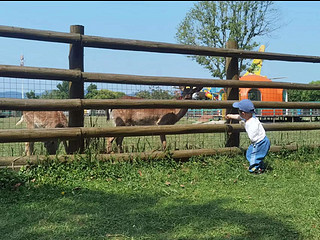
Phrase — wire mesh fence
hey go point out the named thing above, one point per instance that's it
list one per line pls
(24, 88)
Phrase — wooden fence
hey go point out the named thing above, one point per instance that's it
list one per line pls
(76, 76)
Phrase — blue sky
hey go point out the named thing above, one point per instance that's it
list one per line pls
(150, 21)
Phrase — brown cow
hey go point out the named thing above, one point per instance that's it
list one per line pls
(158, 116)
(44, 119)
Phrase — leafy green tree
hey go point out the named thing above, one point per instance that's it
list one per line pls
(155, 94)
(144, 94)
(61, 93)
(92, 91)
(50, 94)
(107, 94)
(314, 95)
(213, 23)
(32, 95)
(304, 95)
(63, 90)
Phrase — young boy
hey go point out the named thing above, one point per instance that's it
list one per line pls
(260, 143)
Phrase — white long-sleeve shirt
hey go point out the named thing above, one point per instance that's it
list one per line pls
(254, 130)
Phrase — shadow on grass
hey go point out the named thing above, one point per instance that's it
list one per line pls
(47, 213)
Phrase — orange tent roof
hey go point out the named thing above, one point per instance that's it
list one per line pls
(266, 94)
(253, 77)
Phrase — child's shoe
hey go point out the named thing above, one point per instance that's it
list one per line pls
(257, 170)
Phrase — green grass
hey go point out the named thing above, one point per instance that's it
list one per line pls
(203, 198)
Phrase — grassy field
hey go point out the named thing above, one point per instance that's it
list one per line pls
(203, 198)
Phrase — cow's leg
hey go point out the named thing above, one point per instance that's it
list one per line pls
(163, 141)
(119, 141)
(29, 148)
(109, 144)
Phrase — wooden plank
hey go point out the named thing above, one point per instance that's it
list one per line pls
(40, 35)
(40, 104)
(148, 46)
(69, 104)
(24, 135)
(16, 162)
(38, 134)
(39, 73)
(76, 75)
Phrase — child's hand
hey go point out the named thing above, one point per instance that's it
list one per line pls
(233, 116)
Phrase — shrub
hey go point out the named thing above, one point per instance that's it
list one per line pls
(10, 179)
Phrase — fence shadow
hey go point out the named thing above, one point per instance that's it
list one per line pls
(85, 214)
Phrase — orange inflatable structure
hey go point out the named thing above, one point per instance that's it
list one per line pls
(262, 94)
(254, 94)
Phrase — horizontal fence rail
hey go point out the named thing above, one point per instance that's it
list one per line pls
(17, 162)
(148, 46)
(39, 35)
(75, 75)
(39, 73)
(77, 104)
(25, 135)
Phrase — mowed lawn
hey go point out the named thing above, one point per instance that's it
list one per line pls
(203, 198)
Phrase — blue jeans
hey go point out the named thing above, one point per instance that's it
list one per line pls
(256, 154)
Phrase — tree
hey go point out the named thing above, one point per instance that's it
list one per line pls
(213, 23)
(107, 94)
(32, 95)
(63, 90)
(61, 93)
(92, 91)
(304, 95)
(155, 94)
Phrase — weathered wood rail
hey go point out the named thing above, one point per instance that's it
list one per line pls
(147, 46)
(18, 162)
(75, 75)
(59, 104)
(22, 135)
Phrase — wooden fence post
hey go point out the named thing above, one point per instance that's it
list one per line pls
(232, 73)
(76, 88)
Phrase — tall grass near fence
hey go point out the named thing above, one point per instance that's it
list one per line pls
(152, 143)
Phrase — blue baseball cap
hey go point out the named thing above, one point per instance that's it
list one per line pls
(244, 105)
